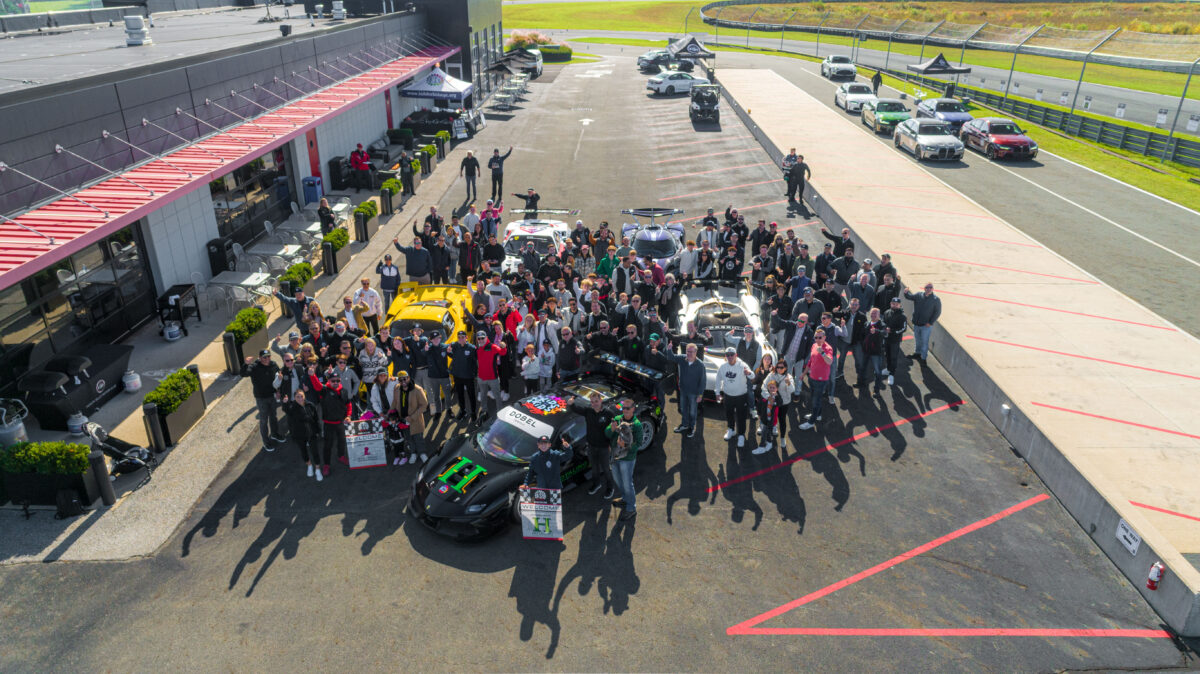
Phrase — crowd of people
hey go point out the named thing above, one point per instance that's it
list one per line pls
(530, 327)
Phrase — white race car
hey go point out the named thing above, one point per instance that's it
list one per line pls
(547, 236)
(719, 306)
(836, 66)
(850, 96)
(672, 82)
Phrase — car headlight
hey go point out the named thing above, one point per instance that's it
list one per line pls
(695, 106)
(1003, 147)
(1032, 145)
(476, 508)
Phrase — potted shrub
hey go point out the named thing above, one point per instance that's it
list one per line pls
(441, 139)
(179, 404)
(401, 137)
(34, 472)
(366, 220)
(416, 167)
(428, 156)
(299, 275)
(389, 195)
(339, 246)
(556, 53)
(249, 330)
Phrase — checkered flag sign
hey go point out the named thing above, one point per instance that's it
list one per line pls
(366, 426)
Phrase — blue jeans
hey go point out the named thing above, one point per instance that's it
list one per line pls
(820, 390)
(687, 409)
(877, 367)
(623, 472)
(921, 337)
(471, 191)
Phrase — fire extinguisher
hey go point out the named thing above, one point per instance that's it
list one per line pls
(1155, 577)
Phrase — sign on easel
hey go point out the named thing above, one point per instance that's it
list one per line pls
(1120, 111)
(1062, 98)
(365, 447)
(1193, 123)
(541, 513)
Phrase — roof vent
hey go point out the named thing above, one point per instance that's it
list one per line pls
(136, 33)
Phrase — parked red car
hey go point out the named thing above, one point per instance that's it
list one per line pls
(997, 137)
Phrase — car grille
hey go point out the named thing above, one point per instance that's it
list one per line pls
(944, 153)
(1020, 151)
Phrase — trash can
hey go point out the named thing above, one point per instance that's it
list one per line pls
(312, 189)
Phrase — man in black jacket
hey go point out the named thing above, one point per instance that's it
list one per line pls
(570, 355)
(897, 324)
(796, 177)
(304, 422)
(265, 380)
(496, 164)
(336, 406)
(531, 199)
(464, 367)
(406, 174)
(469, 168)
(441, 257)
(493, 252)
(599, 452)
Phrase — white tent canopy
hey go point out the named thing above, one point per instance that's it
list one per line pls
(438, 85)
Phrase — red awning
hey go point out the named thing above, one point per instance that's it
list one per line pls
(100, 210)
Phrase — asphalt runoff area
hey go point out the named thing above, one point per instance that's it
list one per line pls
(903, 533)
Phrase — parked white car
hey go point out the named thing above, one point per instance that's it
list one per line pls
(672, 82)
(547, 236)
(719, 306)
(850, 96)
(928, 139)
(836, 66)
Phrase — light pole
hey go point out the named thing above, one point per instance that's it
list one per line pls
(748, 23)
(717, 25)
(685, 20)
(922, 56)
(1013, 67)
(1178, 109)
(1087, 56)
(888, 57)
(823, 20)
(783, 29)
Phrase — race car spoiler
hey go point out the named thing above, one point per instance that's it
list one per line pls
(645, 376)
(548, 211)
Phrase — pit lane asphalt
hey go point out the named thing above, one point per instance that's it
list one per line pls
(275, 572)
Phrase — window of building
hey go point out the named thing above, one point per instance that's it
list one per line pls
(96, 296)
(252, 194)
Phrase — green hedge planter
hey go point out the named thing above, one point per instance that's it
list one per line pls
(366, 220)
(180, 404)
(339, 242)
(34, 472)
(249, 332)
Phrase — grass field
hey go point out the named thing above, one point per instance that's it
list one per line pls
(669, 17)
(58, 5)
(1172, 184)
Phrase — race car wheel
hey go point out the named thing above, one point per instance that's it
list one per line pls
(514, 509)
(670, 90)
(990, 152)
(649, 433)
(877, 129)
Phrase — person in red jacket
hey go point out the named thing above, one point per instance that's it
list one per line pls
(488, 352)
(334, 402)
(360, 163)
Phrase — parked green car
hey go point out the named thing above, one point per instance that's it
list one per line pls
(884, 114)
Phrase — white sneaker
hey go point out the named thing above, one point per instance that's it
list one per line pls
(317, 474)
(401, 461)
(806, 426)
(741, 441)
(729, 434)
(885, 371)
(504, 395)
(424, 458)
(310, 470)
(833, 400)
(891, 380)
(762, 450)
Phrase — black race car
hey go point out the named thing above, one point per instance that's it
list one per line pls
(467, 490)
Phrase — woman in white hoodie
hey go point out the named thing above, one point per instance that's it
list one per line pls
(785, 388)
(531, 369)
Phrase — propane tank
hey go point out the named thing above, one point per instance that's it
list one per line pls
(75, 423)
(172, 331)
(132, 381)
(1156, 574)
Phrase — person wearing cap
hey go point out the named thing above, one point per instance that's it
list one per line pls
(867, 270)
(335, 403)
(818, 368)
(487, 353)
(580, 235)
(496, 164)
(897, 324)
(626, 434)
(546, 358)
(821, 264)
(761, 266)
(779, 307)
(440, 391)
(862, 289)
(389, 279)
(265, 380)
(291, 348)
(844, 269)
(464, 367)
(803, 259)
(748, 349)
(733, 391)
(411, 402)
(546, 465)
(927, 308)
(886, 291)
(442, 259)
(531, 198)
(360, 163)
(406, 173)
(731, 264)
(830, 298)
(708, 233)
(797, 174)
(873, 348)
(296, 304)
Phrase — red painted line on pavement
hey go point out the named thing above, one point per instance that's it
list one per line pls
(1076, 355)
(748, 626)
(740, 209)
(1056, 309)
(835, 445)
(702, 140)
(961, 236)
(691, 131)
(671, 123)
(992, 266)
(798, 226)
(1164, 510)
(886, 187)
(727, 168)
(920, 208)
(954, 632)
(719, 189)
(698, 156)
(1114, 420)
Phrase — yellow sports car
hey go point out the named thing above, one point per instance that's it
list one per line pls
(433, 307)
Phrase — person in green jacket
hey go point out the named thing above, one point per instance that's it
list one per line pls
(606, 265)
(625, 432)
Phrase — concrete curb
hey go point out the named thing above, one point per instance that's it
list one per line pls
(1087, 497)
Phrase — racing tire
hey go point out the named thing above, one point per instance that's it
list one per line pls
(649, 433)
(514, 511)
(670, 90)
(876, 128)
(990, 152)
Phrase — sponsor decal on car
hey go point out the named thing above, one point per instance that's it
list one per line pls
(545, 405)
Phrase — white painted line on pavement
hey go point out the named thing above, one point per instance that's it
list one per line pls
(1122, 183)
(1089, 211)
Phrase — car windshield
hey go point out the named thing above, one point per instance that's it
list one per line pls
(721, 339)
(858, 89)
(655, 248)
(950, 106)
(839, 59)
(516, 243)
(890, 106)
(720, 314)
(513, 436)
(934, 130)
(1005, 129)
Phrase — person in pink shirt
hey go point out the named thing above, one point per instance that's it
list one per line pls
(818, 367)
(490, 218)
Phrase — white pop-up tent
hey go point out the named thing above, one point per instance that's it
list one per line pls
(439, 86)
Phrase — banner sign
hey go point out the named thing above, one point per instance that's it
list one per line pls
(541, 513)
(365, 447)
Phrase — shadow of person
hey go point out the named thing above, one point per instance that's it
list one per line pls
(620, 579)
(696, 477)
(652, 468)
(238, 499)
(827, 466)
(589, 564)
(739, 494)
(533, 588)
(780, 488)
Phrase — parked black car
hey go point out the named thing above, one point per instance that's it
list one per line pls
(655, 60)
(429, 122)
(706, 103)
(468, 490)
